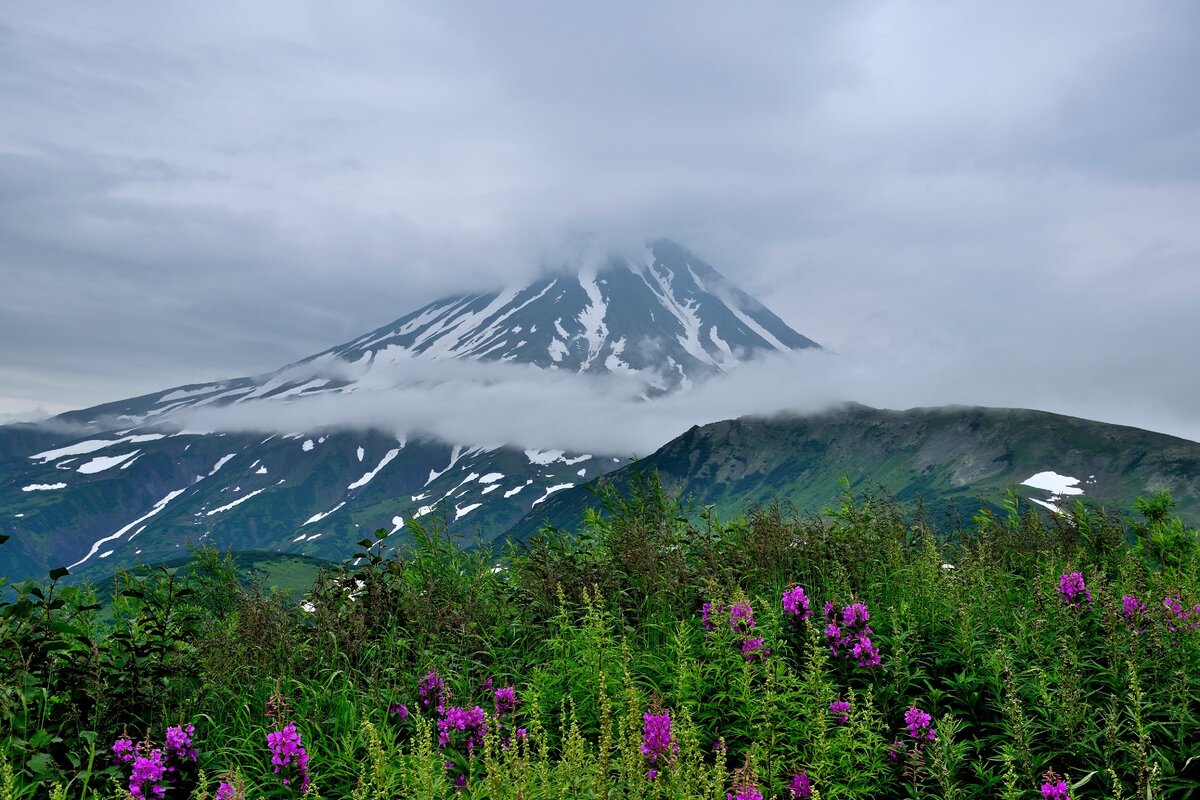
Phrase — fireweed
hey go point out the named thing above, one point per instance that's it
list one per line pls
(795, 602)
(800, 787)
(848, 635)
(659, 748)
(152, 771)
(1135, 614)
(840, 711)
(432, 693)
(1179, 618)
(745, 786)
(741, 618)
(1073, 590)
(708, 612)
(1054, 787)
(289, 757)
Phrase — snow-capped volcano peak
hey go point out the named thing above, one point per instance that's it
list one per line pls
(669, 318)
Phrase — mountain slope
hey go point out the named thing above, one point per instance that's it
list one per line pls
(956, 459)
(136, 480)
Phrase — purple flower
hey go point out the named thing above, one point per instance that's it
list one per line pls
(708, 611)
(123, 751)
(752, 648)
(1135, 614)
(796, 603)
(745, 786)
(919, 724)
(146, 779)
(658, 747)
(1073, 589)
(231, 791)
(287, 752)
(506, 701)
(801, 786)
(840, 709)
(179, 743)
(1181, 619)
(398, 708)
(432, 692)
(470, 722)
(1054, 787)
(849, 636)
(1056, 791)
(741, 618)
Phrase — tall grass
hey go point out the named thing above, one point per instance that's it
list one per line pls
(602, 627)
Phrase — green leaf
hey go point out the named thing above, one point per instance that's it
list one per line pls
(59, 572)
(40, 764)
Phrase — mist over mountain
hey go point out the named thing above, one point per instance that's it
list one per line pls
(476, 408)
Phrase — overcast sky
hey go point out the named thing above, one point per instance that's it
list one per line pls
(969, 202)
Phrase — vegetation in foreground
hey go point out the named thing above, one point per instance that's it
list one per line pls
(857, 654)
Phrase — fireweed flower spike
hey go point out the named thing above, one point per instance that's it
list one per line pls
(147, 779)
(398, 709)
(1054, 787)
(849, 636)
(1073, 590)
(288, 753)
(741, 618)
(1135, 614)
(708, 611)
(123, 751)
(658, 747)
(432, 692)
(920, 725)
(840, 711)
(179, 743)
(801, 786)
(745, 786)
(796, 603)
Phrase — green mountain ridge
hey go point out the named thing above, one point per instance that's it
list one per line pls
(955, 459)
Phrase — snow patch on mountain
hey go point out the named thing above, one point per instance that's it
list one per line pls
(101, 463)
(237, 502)
(159, 506)
(365, 479)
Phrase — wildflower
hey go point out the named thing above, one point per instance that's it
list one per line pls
(745, 786)
(849, 636)
(801, 786)
(506, 701)
(470, 722)
(919, 724)
(398, 709)
(432, 692)
(1055, 791)
(796, 603)
(1073, 589)
(146, 779)
(232, 788)
(658, 746)
(1134, 612)
(1181, 619)
(179, 743)
(840, 709)
(123, 751)
(754, 647)
(1054, 787)
(707, 612)
(287, 751)
(741, 618)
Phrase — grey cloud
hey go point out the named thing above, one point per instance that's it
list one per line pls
(195, 192)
